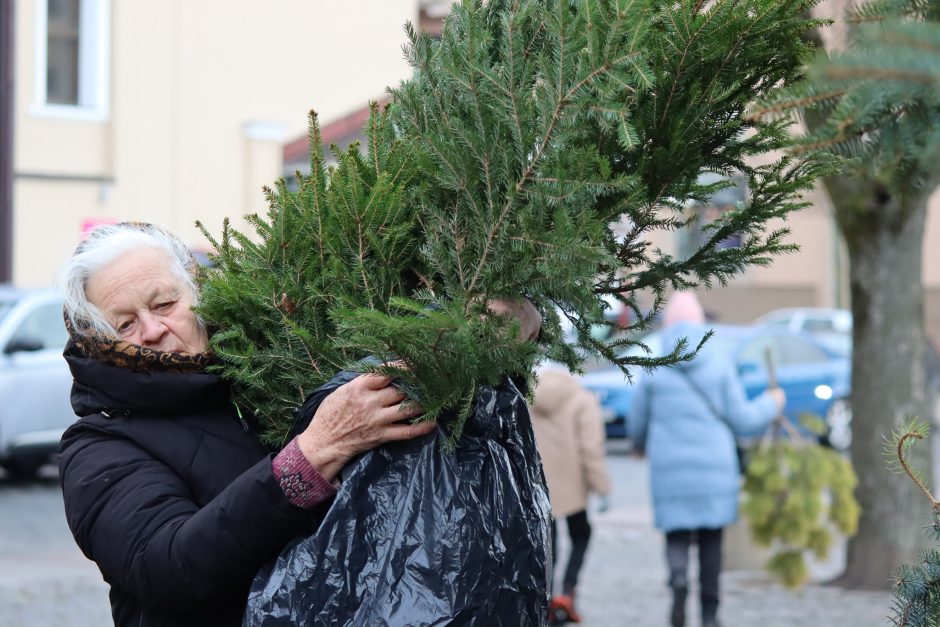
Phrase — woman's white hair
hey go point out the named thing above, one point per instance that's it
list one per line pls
(103, 246)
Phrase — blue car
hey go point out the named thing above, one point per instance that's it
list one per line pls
(815, 379)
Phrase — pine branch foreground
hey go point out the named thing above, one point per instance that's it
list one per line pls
(916, 590)
(876, 103)
(498, 171)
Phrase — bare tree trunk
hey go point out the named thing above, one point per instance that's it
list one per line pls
(884, 235)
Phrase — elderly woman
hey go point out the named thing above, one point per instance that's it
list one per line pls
(166, 486)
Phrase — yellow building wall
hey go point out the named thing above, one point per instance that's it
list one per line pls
(202, 95)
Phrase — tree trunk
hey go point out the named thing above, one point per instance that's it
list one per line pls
(884, 234)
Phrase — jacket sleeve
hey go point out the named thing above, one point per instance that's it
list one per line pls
(745, 416)
(639, 416)
(138, 521)
(591, 442)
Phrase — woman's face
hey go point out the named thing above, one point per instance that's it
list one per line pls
(147, 303)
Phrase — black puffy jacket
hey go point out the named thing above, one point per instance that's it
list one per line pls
(172, 497)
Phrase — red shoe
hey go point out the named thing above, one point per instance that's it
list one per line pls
(561, 610)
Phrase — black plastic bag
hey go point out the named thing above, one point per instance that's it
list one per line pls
(421, 536)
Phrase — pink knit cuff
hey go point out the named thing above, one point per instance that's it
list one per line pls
(302, 484)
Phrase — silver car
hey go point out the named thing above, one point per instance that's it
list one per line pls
(832, 327)
(35, 382)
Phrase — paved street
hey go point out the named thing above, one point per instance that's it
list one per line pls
(624, 577)
(45, 581)
(44, 578)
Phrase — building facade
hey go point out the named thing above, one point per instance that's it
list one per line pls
(179, 110)
(176, 110)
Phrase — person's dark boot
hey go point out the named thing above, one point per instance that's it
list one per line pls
(680, 590)
(710, 613)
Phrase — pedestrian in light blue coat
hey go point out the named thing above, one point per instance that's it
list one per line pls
(684, 419)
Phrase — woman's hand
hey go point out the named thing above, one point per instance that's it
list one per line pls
(530, 320)
(357, 417)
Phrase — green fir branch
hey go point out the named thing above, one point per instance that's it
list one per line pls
(896, 449)
(526, 130)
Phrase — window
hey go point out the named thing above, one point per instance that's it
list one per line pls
(72, 58)
(5, 307)
(431, 14)
(819, 325)
(785, 350)
(794, 351)
(62, 52)
(754, 353)
(695, 235)
(44, 327)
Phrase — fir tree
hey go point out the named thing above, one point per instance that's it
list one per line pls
(547, 121)
(346, 240)
(795, 494)
(916, 586)
(527, 130)
(877, 104)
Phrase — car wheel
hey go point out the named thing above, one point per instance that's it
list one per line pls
(839, 421)
(24, 469)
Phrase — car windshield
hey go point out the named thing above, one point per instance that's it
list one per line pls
(838, 343)
(654, 341)
(5, 306)
(724, 343)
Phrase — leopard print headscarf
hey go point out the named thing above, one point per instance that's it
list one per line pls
(133, 356)
(136, 357)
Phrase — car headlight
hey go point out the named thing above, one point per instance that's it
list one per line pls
(823, 392)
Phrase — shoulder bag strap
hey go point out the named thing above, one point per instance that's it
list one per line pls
(705, 398)
(740, 451)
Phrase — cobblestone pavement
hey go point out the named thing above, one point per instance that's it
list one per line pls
(46, 582)
(623, 582)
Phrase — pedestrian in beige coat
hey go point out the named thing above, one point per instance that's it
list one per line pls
(569, 432)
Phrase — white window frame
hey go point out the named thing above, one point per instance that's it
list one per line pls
(94, 64)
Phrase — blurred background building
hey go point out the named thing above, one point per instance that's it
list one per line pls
(168, 111)
(177, 110)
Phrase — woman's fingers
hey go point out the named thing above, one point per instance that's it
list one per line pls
(399, 412)
(388, 396)
(378, 381)
(373, 381)
(409, 431)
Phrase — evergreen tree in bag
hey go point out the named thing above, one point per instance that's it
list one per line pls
(528, 131)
